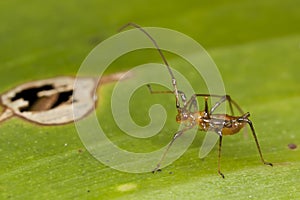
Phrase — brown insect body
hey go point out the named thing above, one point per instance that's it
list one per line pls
(232, 125)
(229, 125)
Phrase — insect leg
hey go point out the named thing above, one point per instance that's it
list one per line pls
(192, 103)
(206, 105)
(245, 119)
(223, 98)
(176, 135)
(219, 156)
(159, 92)
(181, 94)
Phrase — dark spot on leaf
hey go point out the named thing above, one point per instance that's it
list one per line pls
(292, 146)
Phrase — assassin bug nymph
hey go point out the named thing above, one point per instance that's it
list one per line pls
(206, 120)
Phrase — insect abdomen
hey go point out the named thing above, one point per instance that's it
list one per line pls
(233, 127)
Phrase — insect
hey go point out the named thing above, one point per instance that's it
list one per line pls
(206, 120)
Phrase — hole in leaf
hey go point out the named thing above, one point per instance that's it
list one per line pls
(31, 93)
(37, 102)
(63, 98)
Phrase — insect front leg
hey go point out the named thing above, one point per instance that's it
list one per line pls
(176, 135)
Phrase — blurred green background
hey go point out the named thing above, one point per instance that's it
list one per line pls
(255, 44)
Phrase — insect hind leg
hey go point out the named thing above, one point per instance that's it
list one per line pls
(245, 119)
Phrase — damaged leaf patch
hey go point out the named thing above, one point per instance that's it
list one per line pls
(52, 101)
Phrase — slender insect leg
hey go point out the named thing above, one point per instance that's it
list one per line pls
(230, 101)
(159, 92)
(181, 94)
(237, 106)
(176, 135)
(219, 157)
(223, 98)
(192, 103)
(206, 105)
(183, 97)
(245, 119)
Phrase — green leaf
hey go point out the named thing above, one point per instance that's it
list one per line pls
(256, 46)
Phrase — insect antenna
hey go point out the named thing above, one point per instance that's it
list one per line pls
(174, 83)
